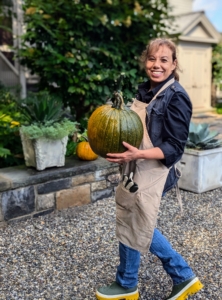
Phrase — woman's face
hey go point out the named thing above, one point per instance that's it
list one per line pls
(160, 65)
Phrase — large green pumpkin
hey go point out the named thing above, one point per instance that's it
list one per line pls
(110, 125)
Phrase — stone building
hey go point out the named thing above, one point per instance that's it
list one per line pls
(197, 35)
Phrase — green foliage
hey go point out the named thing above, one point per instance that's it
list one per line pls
(55, 131)
(41, 109)
(202, 138)
(6, 12)
(217, 63)
(71, 147)
(219, 108)
(72, 144)
(79, 48)
(4, 152)
(81, 137)
(10, 143)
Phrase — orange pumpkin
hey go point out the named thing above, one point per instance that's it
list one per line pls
(84, 151)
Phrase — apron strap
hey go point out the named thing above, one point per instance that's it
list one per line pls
(178, 194)
(179, 198)
(168, 83)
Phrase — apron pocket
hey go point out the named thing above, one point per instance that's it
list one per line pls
(124, 198)
(146, 210)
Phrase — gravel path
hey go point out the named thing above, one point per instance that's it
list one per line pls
(67, 254)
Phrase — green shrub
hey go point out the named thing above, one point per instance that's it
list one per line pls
(4, 152)
(10, 143)
(79, 48)
(219, 108)
(217, 63)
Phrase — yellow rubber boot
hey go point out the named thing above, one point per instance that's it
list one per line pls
(184, 290)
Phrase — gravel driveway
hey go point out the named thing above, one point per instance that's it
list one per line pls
(67, 254)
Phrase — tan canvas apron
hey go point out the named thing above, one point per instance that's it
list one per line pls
(136, 213)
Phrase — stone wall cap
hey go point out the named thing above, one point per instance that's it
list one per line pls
(20, 176)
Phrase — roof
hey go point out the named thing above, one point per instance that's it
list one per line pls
(196, 27)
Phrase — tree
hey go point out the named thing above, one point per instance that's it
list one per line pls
(6, 36)
(217, 63)
(216, 74)
(80, 47)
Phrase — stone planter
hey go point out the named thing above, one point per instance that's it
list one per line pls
(201, 170)
(44, 153)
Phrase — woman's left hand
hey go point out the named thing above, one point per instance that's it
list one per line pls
(130, 154)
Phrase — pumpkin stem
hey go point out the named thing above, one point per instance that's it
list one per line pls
(82, 136)
(118, 100)
(86, 138)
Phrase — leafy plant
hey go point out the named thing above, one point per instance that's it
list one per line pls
(55, 131)
(6, 12)
(10, 143)
(71, 147)
(202, 138)
(4, 152)
(219, 108)
(41, 109)
(81, 137)
(44, 117)
(217, 63)
(72, 144)
(78, 48)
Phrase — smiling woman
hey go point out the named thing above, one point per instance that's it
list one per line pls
(165, 110)
(160, 65)
(159, 60)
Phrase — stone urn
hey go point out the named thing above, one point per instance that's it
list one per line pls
(44, 153)
(201, 170)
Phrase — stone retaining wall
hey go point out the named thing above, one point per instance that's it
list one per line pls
(26, 192)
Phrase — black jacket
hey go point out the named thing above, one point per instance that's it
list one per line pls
(168, 119)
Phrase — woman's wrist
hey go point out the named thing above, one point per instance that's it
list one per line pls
(152, 153)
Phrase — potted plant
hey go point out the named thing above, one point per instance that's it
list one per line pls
(201, 162)
(45, 131)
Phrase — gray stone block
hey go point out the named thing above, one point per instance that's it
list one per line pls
(5, 183)
(16, 203)
(45, 201)
(101, 194)
(114, 178)
(98, 185)
(103, 173)
(54, 186)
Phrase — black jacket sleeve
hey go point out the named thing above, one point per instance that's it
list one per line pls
(176, 128)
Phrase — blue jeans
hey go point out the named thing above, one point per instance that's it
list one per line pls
(173, 262)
